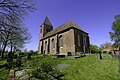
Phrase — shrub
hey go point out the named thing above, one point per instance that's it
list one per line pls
(46, 68)
(38, 73)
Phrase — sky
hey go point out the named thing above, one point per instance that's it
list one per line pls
(93, 16)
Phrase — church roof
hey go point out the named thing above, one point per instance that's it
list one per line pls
(67, 25)
(47, 21)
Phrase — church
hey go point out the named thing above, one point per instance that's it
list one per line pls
(66, 38)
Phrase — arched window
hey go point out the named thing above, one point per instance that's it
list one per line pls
(53, 43)
(78, 38)
(85, 40)
(45, 45)
(60, 41)
(41, 30)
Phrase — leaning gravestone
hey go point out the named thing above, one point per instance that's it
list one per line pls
(18, 61)
(100, 55)
(9, 60)
(11, 74)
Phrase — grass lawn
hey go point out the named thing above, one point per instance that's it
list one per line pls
(3, 61)
(3, 72)
(86, 68)
(91, 68)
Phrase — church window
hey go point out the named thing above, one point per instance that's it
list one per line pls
(78, 38)
(85, 40)
(53, 43)
(45, 44)
(47, 30)
(41, 30)
(61, 41)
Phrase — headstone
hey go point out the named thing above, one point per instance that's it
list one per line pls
(11, 74)
(22, 75)
(18, 61)
(100, 55)
(9, 60)
(25, 77)
(19, 73)
(29, 56)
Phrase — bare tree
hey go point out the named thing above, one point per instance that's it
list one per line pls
(12, 12)
(19, 38)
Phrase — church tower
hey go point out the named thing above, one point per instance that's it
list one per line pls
(45, 27)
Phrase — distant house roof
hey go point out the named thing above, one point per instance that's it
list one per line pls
(67, 25)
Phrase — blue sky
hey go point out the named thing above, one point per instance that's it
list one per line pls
(93, 16)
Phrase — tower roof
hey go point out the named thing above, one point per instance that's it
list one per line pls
(47, 21)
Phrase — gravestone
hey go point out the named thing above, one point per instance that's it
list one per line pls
(11, 73)
(100, 55)
(9, 60)
(18, 61)
(29, 56)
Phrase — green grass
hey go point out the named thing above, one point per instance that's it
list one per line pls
(3, 61)
(86, 68)
(91, 68)
(3, 72)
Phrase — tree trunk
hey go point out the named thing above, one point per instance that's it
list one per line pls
(11, 47)
(5, 44)
(2, 56)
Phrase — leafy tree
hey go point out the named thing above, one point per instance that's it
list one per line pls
(25, 51)
(31, 51)
(115, 34)
(93, 48)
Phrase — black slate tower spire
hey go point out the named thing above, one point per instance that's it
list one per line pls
(45, 27)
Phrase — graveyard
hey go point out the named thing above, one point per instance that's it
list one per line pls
(89, 67)
(81, 41)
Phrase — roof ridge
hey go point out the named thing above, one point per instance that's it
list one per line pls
(67, 25)
(70, 23)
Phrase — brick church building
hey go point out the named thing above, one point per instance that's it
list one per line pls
(67, 37)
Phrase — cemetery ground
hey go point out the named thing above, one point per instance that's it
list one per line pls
(89, 67)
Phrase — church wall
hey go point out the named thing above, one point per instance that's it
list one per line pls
(39, 48)
(68, 42)
(44, 45)
(52, 50)
(67, 34)
(84, 41)
(49, 42)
